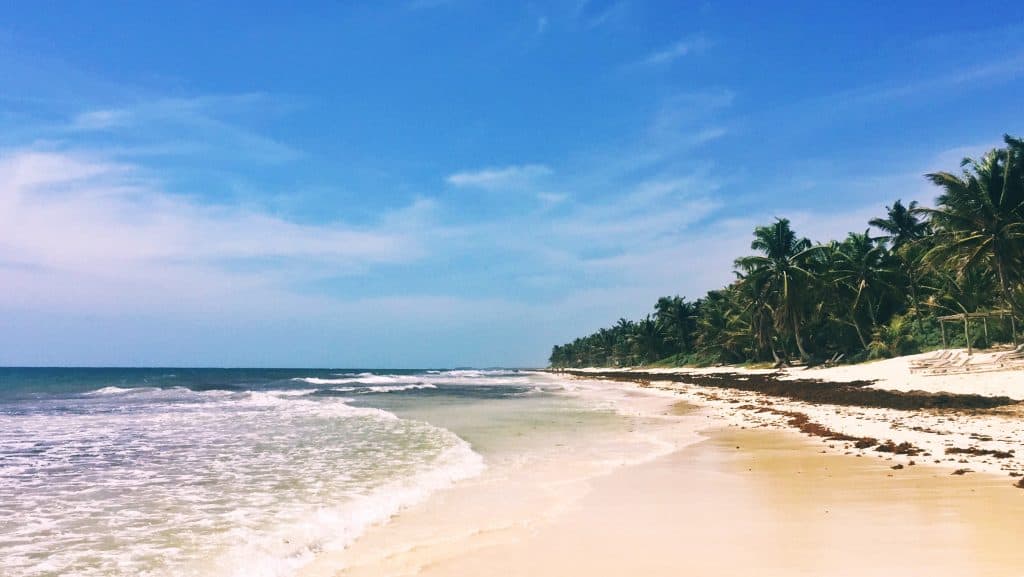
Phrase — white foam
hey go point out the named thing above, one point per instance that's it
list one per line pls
(384, 388)
(367, 379)
(396, 388)
(251, 483)
(288, 548)
(457, 377)
(121, 390)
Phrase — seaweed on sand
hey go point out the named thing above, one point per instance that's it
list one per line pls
(853, 393)
(979, 452)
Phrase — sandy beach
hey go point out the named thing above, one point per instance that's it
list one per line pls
(767, 508)
(732, 491)
(964, 438)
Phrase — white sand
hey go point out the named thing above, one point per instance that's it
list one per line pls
(934, 432)
(743, 502)
(979, 374)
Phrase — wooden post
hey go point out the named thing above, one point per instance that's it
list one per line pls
(984, 323)
(967, 334)
(942, 325)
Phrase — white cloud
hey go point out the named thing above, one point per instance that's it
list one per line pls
(676, 51)
(81, 232)
(195, 126)
(949, 160)
(499, 178)
(551, 198)
(700, 257)
(100, 119)
(1000, 68)
(28, 170)
(595, 15)
(700, 262)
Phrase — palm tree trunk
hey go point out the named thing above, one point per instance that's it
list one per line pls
(799, 342)
(914, 301)
(860, 335)
(1004, 288)
(1007, 302)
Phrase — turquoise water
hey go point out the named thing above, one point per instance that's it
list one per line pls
(222, 471)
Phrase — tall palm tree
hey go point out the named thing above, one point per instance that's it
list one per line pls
(909, 237)
(622, 353)
(862, 269)
(677, 319)
(722, 330)
(979, 218)
(647, 340)
(970, 291)
(780, 276)
(601, 344)
(901, 224)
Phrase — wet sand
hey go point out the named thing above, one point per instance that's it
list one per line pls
(740, 502)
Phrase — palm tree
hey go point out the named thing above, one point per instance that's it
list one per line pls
(979, 219)
(677, 319)
(779, 276)
(909, 237)
(862, 269)
(622, 353)
(723, 331)
(964, 292)
(901, 225)
(647, 340)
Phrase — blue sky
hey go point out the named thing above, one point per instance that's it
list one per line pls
(448, 182)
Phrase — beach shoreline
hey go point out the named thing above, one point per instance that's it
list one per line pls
(741, 492)
(535, 475)
(764, 503)
(966, 422)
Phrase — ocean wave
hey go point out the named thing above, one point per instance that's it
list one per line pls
(157, 394)
(388, 388)
(319, 472)
(288, 548)
(479, 373)
(120, 391)
(367, 378)
(394, 388)
(462, 377)
(291, 392)
(341, 391)
(305, 401)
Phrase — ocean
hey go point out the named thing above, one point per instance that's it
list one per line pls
(223, 472)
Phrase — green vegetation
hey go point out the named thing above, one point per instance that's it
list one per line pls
(867, 296)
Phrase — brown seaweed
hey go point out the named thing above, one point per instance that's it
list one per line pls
(853, 393)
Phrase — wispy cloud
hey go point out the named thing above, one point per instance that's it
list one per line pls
(187, 126)
(552, 198)
(681, 123)
(93, 230)
(1000, 69)
(100, 119)
(948, 160)
(646, 216)
(1004, 67)
(676, 51)
(542, 24)
(500, 177)
(594, 14)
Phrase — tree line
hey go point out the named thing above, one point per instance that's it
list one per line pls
(876, 293)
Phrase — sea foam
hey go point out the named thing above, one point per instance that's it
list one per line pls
(161, 482)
